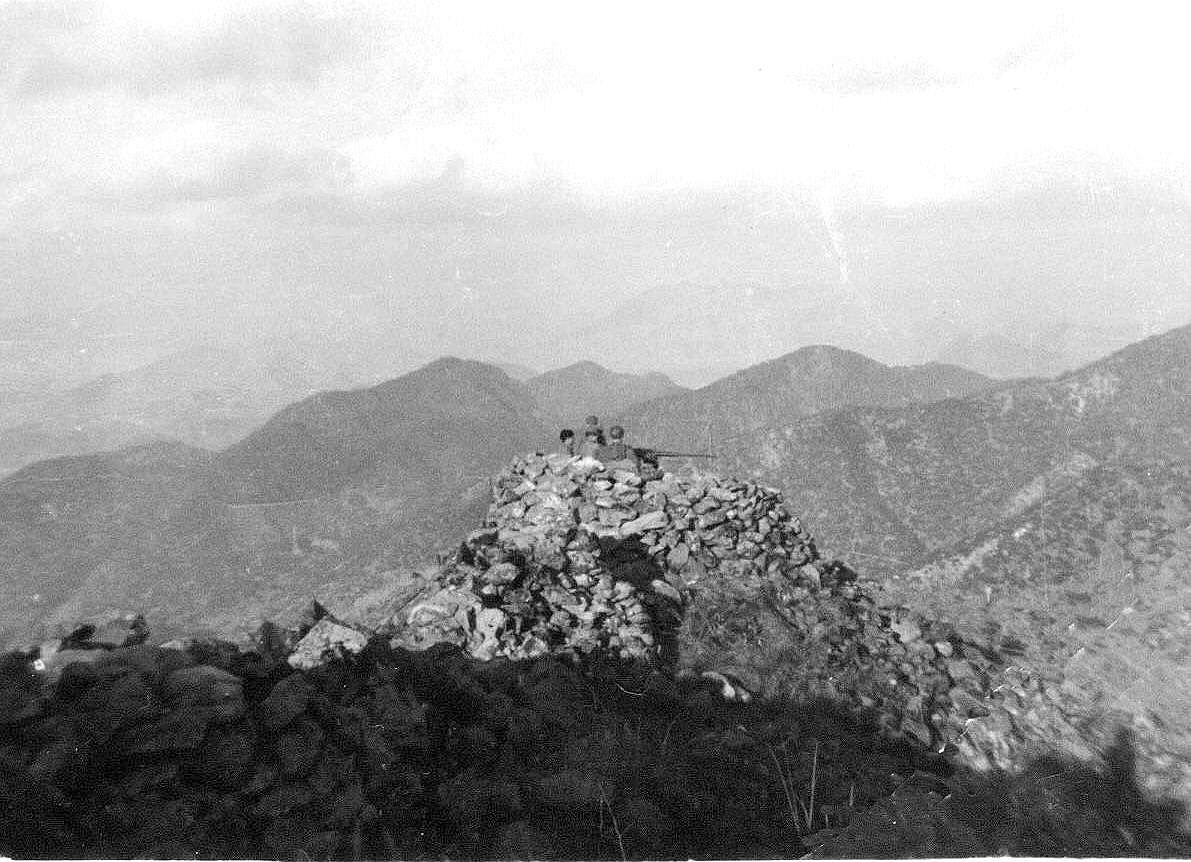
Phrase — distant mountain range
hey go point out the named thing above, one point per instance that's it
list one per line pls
(330, 492)
(1001, 356)
(212, 397)
(570, 394)
(886, 488)
(694, 331)
(1059, 349)
(327, 495)
(207, 397)
(808, 381)
(451, 421)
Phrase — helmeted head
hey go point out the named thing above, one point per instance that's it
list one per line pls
(592, 421)
(566, 434)
(616, 433)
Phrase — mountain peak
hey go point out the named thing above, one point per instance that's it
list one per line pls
(586, 387)
(827, 353)
(586, 366)
(456, 365)
(451, 415)
(812, 379)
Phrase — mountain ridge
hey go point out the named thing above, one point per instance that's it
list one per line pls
(943, 464)
(585, 387)
(207, 396)
(344, 484)
(806, 381)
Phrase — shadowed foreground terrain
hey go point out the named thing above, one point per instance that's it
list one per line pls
(223, 753)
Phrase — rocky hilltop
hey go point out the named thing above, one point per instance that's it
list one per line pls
(613, 665)
(702, 575)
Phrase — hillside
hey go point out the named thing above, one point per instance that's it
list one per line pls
(571, 393)
(336, 489)
(320, 490)
(445, 422)
(1090, 579)
(342, 485)
(889, 487)
(778, 392)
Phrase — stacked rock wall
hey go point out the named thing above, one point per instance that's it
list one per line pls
(676, 518)
(580, 559)
(701, 574)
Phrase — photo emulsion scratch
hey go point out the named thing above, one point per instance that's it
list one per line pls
(633, 431)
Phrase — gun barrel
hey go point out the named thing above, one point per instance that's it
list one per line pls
(665, 453)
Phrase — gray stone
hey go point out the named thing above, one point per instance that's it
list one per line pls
(663, 588)
(907, 630)
(650, 521)
(678, 556)
(325, 639)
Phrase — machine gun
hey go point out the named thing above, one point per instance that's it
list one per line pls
(651, 455)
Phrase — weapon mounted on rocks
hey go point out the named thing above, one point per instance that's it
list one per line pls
(647, 454)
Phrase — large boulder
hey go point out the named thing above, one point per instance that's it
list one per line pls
(326, 637)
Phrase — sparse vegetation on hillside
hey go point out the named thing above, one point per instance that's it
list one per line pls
(334, 490)
(888, 488)
(1093, 581)
(775, 393)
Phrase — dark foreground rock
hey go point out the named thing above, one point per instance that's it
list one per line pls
(390, 753)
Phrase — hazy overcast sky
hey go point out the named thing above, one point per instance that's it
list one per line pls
(271, 155)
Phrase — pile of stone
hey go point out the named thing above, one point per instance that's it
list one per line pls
(579, 559)
(583, 560)
(708, 577)
(675, 518)
(493, 601)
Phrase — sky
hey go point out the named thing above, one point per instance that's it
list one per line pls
(453, 177)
